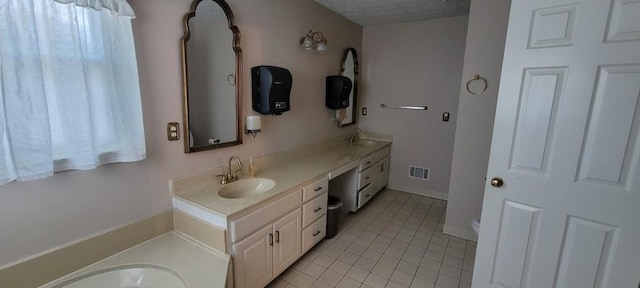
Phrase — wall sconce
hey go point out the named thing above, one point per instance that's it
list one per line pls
(314, 41)
(253, 125)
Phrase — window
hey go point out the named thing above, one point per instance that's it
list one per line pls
(69, 90)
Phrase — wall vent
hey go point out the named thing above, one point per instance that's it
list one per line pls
(421, 173)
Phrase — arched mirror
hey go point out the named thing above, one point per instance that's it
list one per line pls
(350, 70)
(212, 80)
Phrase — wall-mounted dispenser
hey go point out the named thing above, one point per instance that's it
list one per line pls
(271, 89)
(338, 91)
(253, 125)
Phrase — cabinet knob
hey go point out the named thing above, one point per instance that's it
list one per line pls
(270, 239)
(316, 233)
(277, 236)
(317, 209)
(318, 189)
(497, 182)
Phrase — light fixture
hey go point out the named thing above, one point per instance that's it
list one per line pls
(314, 41)
(253, 125)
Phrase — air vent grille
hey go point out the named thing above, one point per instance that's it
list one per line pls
(421, 173)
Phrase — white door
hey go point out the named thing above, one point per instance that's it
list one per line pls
(566, 145)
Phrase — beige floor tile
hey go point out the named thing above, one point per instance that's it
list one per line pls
(347, 282)
(302, 281)
(357, 274)
(421, 283)
(365, 264)
(382, 270)
(340, 267)
(447, 282)
(376, 281)
(314, 270)
(401, 278)
(395, 241)
(407, 267)
(324, 260)
(330, 277)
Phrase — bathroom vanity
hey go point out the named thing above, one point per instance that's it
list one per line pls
(268, 231)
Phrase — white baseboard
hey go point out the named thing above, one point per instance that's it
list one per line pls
(419, 191)
(467, 234)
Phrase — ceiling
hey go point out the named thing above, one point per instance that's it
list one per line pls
(374, 12)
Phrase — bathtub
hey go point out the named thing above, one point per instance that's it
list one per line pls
(168, 261)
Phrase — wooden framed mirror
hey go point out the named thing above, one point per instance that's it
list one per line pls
(212, 77)
(349, 69)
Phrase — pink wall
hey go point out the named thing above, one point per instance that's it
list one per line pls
(41, 215)
(415, 63)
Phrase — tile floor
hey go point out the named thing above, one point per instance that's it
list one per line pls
(396, 240)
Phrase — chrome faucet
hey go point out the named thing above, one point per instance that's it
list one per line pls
(232, 175)
(355, 136)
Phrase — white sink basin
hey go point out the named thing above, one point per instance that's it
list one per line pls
(246, 187)
(127, 276)
(364, 143)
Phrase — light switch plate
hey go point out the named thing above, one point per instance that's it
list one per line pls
(445, 116)
(173, 131)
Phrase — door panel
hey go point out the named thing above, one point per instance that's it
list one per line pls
(565, 141)
(253, 259)
(538, 105)
(516, 231)
(288, 241)
(585, 253)
(612, 137)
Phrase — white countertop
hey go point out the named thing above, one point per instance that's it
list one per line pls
(198, 265)
(288, 175)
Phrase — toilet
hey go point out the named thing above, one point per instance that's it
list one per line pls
(475, 224)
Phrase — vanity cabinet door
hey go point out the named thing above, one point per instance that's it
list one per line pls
(383, 173)
(288, 244)
(253, 259)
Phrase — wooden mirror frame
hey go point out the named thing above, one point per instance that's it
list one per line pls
(238, 84)
(354, 104)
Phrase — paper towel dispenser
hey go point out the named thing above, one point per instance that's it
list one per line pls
(271, 89)
(338, 91)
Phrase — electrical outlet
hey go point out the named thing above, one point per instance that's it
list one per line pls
(364, 111)
(173, 131)
(445, 116)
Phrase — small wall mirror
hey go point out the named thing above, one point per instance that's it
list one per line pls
(212, 80)
(350, 70)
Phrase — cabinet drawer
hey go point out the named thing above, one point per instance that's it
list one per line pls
(314, 189)
(314, 209)
(365, 195)
(367, 162)
(248, 224)
(314, 233)
(365, 177)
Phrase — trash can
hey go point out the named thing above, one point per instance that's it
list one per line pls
(333, 216)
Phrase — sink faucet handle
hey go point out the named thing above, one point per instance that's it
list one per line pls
(223, 178)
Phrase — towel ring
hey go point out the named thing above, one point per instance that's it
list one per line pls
(475, 78)
(231, 79)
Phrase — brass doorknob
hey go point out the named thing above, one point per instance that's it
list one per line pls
(497, 182)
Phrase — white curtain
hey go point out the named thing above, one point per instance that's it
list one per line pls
(69, 90)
